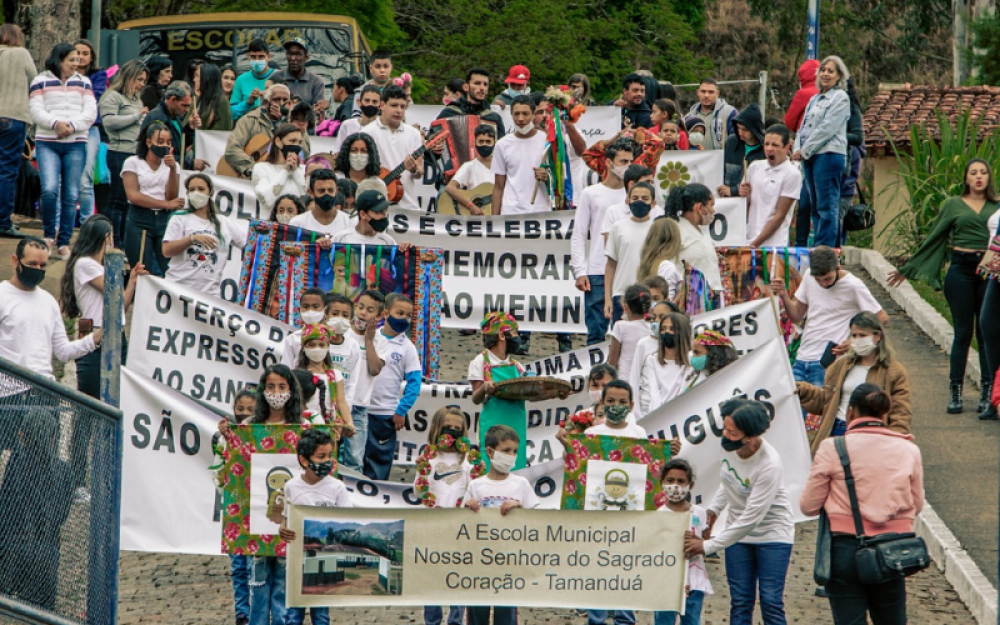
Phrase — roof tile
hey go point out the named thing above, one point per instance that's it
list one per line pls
(894, 111)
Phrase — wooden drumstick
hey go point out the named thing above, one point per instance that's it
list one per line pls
(142, 248)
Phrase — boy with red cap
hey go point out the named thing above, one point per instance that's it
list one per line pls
(517, 84)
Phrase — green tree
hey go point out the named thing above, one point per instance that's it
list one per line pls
(984, 57)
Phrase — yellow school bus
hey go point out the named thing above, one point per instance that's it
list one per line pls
(337, 47)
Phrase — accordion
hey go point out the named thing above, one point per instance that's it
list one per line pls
(460, 146)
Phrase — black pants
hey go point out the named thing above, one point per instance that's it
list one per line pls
(116, 208)
(851, 601)
(990, 331)
(88, 381)
(964, 291)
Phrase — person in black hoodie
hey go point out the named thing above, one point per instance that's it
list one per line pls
(742, 148)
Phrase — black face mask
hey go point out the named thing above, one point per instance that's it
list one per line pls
(321, 469)
(513, 344)
(326, 202)
(667, 339)
(484, 150)
(369, 110)
(160, 151)
(835, 279)
(291, 149)
(731, 445)
(455, 433)
(640, 209)
(283, 110)
(30, 277)
(379, 225)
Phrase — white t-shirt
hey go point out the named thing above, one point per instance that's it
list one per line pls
(628, 334)
(449, 478)
(830, 312)
(329, 492)
(151, 183)
(89, 300)
(856, 376)
(646, 346)
(517, 158)
(364, 381)
(631, 430)
(197, 266)
(393, 148)
(400, 358)
(698, 251)
(477, 369)
(590, 212)
(472, 174)
(770, 184)
(492, 493)
(675, 278)
(658, 383)
(32, 330)
(697, 574)
(307, 221)
(271, 181)
(330, 406)
(351, 236)
(625, 246)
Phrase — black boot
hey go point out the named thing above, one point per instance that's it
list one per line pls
(985, 387)
(955, 404)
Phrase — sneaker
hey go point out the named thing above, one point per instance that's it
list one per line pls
(11, 233)
(64, 252)
(52, 246)
(242, 620)
(81, 496)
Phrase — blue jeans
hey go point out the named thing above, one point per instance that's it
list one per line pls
(352, 451)
(809, 371)
(433, 614)
(752, 567)
(822, 182)
(60, 166)
(593, 311)
(616, 309)
(143, 222)
(12, 133)
(380, 446)
(480, 615)
(117, 207)
(692, 611)
(239, 571)
(267, 590)
(839, 428)
(87, 179)
(318, 616)
(621, 617)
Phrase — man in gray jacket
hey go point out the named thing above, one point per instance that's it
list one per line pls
(717, 115)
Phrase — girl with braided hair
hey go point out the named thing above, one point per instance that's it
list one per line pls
(329, 405)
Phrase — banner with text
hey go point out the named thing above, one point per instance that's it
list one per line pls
(729, 228)
(528, 558)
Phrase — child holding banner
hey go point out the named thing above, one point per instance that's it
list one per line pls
(496, 365)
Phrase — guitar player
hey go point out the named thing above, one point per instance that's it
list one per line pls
(396, 141)
(255, 129)
(476, 172)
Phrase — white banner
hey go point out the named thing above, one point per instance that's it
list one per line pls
(200, 345)
(729, 228)
(683, 167)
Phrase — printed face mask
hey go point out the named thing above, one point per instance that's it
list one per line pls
(360, 324)
(312, 316)
(617, 413)
(455, 433)
(277, 400)
(654, 328)
(676, 492)
(502, 462)
(284, 218)
(358, 161)
(321, 469)
(316, 354)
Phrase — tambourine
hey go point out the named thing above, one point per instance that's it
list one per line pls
(533, 389)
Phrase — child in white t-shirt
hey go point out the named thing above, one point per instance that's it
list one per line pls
(475, 172)
(329, 406)
(312, 310)
(617, 403)
(627, 333)
(677, 479)
(364, 330)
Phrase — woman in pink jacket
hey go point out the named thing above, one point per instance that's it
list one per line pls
(889, 480)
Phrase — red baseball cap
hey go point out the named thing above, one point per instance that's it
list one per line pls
(518, 75)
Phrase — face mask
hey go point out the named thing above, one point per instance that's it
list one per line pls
(696, 138)
(707, 218)
(524, 130)
(864, 346)
(358, 161)
(284, 218)
(291, 149)
(698, 363)
(197, 199)
(516, 92)
(316, 354)
(312, 316)
(398, 325)
(258, 67)
(455, 433)
(595, 395)
(835, 279)
(654, 328)
(369, 110)
(513, 344)
(30, 276)
(339, 325)
(277, 400)
(675, 492)
(321, 469)
(283, 110)
(617, 414)
(731, 445)
(379, 225)
(325, 202)
(619, 171)
(160, 151)
(502, 462)
(484, 150)
(639, 209)
(667, 339)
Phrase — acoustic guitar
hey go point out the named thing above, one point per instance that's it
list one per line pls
(481, 196)
(256, 148)
(393, 184)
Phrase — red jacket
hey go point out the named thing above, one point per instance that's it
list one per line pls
(807, 89)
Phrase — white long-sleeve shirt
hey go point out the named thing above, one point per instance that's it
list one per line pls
(658, 383)
(754, 492)
(32, 330)
(589, 219)
(271, 181)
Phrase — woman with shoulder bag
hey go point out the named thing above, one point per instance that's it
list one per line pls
(887, 474)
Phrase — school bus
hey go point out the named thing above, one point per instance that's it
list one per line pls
(337, 47)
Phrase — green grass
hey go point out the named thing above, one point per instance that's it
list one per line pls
(352, 576)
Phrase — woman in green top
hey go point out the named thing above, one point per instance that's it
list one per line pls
(962, 220)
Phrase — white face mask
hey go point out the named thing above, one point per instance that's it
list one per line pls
(358, 161)
(524, 130)
(312, 316)
(696, 138)
(502, 462)
(316, 354)
(277, 400)
(284, 218)
(619, 171)
(675, 492)
(595, 395)
(197, 199)
(707, 218)
(864, 345)
(654, 329)
(339, 325)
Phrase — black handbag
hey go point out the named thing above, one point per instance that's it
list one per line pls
(822, 565)
(860, 216)
(886, 557)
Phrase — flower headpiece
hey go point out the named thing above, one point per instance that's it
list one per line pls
(498, 322)
(316, 331)
(403, 80)
(711, 337)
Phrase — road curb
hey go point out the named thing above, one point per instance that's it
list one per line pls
(973, 588)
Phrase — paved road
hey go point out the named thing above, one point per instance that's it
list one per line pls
(177, 589)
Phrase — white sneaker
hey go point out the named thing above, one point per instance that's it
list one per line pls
(81, 496)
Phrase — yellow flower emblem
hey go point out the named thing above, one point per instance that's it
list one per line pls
(673, 174)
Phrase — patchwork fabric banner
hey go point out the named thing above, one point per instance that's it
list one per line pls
(614, 473)
(282, 261)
